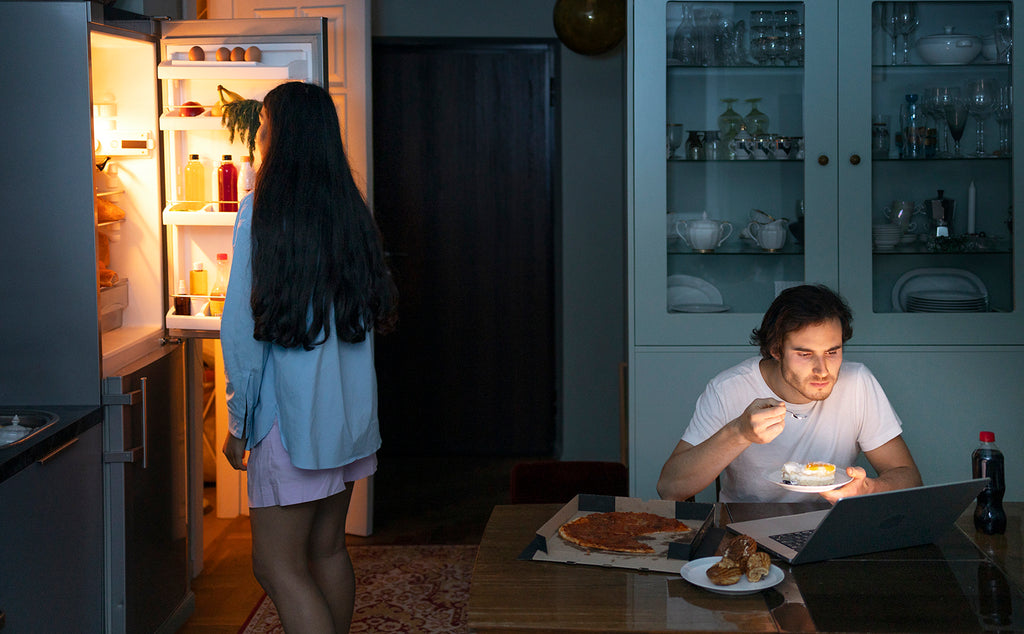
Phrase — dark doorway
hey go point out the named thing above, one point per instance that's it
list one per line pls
(464, 159)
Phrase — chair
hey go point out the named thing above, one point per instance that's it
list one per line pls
(544, 481)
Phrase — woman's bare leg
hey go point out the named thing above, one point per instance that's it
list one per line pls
(280, 543)
(328, 558)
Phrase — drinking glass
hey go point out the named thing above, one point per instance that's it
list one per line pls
(982, 95)
(1003, 36)
(904, 17)
(945, 95)
(886, 20)
(675, 138)
(729, 122)
(956, 119)
(759, 50)
(756, 121)
(1004, 116)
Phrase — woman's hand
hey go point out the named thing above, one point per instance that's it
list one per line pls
(234, 450)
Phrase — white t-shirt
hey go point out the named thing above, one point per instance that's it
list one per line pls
(856, 417)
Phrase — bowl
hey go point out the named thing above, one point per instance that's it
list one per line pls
(948, 48)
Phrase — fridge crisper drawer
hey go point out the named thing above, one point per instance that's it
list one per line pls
(113, 301)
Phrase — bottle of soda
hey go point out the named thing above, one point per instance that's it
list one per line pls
(987, 462)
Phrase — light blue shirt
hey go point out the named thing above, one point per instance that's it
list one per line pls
(325, 399)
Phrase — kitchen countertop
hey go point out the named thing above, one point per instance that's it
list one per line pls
(73, 420)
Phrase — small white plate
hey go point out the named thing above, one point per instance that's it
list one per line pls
(841, 479)
(699, 308)
(696, 573)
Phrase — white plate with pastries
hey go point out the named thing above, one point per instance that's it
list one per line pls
(696, 572)
(840, 479)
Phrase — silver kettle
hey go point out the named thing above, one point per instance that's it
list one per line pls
(942, 211)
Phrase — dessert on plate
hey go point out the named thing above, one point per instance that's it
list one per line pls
(810, 474)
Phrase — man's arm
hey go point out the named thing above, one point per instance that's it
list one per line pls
(691, 468)
(895, 467)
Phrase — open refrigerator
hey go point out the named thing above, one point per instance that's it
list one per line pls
(141, 241)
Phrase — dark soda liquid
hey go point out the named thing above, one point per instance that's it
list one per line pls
(989, 516)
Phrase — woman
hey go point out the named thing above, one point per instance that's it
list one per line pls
(308, 287)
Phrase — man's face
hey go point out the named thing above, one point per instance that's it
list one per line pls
(810, 358)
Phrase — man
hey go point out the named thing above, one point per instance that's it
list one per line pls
(792, 404)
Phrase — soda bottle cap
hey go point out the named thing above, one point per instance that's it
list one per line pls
(222, 256)
(227, 157)
(987, 436)
(197, 266)
(194, 157)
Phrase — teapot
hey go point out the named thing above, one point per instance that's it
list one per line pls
(770, 236)
(704, 234)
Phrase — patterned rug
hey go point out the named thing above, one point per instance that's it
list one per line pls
(406, 589)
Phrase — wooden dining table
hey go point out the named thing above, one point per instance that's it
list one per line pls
(966, 581)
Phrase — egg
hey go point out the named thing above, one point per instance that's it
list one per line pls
(196, 54)
(253, 54)
(223, 54)
(238, 54)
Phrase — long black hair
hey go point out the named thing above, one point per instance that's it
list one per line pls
(317, 251)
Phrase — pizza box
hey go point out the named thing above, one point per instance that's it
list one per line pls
(671, 550)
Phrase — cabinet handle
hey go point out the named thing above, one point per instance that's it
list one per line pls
(145, 424)
(855, 159)
(823, 160)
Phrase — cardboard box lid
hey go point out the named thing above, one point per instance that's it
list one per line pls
(671, 550)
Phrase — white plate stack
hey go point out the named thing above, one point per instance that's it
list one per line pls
(947, 302)
(886, 236)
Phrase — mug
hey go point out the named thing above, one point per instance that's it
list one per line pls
(900, 212)
(703, 235)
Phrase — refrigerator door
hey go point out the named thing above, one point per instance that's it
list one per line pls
(146, 500)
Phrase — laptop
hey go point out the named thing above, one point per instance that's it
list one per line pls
(865, 523)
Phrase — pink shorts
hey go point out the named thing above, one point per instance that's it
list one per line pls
(275, 481)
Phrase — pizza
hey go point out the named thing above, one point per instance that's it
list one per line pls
(618, 531)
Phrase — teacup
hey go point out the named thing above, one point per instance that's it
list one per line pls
(900, 212)
(770, 236)
(705, 234)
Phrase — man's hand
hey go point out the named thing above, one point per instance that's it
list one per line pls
(859, 485)
(234, 450)
(763, 420)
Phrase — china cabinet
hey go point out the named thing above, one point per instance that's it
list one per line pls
(830, 120)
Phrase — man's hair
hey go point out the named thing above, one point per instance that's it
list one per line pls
(796, 308)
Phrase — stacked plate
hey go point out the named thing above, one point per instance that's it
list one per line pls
(688, 294)
(935, 290)
(886, 236)
(946, 302)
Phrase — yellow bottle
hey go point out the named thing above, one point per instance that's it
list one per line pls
(195, 183)
(220, 286)
(197, 280)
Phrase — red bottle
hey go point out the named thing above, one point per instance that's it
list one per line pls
(227, 185)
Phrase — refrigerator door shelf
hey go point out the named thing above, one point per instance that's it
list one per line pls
(181, 325)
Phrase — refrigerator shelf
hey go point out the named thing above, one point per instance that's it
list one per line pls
(177, 69)
(201, 321)
(201, 122)
(207, 217)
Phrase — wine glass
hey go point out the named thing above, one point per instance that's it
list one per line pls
(888, 24)
(729, 122)
(1003, 36)
(756, 121)
(982, 95)
(944, 95)
(904, 18)
(675, 137)
(1004, 116)
(956, 119)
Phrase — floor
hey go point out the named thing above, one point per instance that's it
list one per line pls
(417, 500)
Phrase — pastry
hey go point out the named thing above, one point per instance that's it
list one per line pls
(810, 474)
(757, 566)
(741, 547)
(725, 573)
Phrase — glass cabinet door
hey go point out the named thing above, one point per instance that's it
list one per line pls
(742, 201)
(936, 241)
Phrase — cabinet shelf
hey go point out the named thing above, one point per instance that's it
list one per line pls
(180, 69)
(678, 247)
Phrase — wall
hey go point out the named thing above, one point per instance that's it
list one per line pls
(590, 234)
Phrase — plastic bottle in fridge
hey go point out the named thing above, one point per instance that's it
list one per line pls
(246, 178)
(195, 183)
(220, 286)
(227, 185)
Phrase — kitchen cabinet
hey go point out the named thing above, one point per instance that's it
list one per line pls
(703, 66)
(52, 550)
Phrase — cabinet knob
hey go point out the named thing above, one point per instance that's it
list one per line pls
(855, 159)
(823, 160)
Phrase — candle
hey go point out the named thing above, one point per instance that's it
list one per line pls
(971, 195)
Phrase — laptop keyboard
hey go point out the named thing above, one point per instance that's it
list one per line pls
(795, 540)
